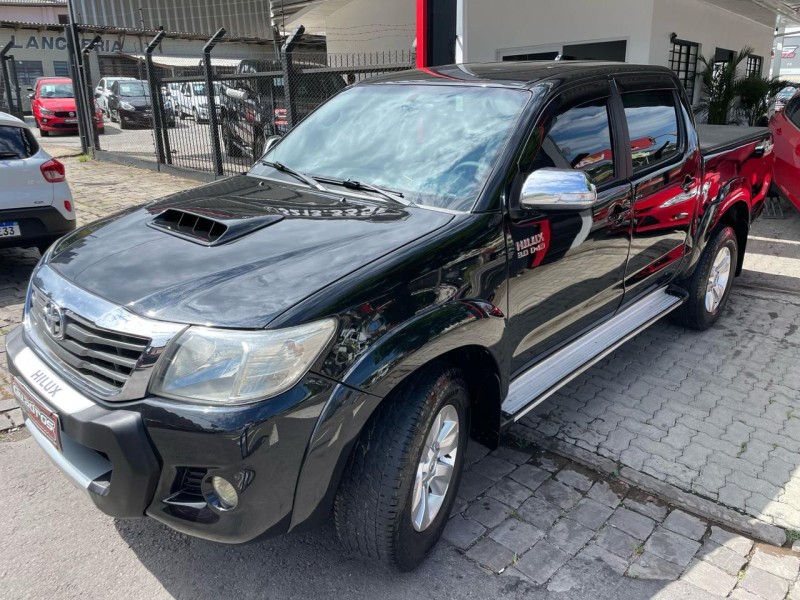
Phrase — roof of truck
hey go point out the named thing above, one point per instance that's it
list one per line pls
(519, 74)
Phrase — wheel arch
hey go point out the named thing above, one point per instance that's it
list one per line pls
(737, 216)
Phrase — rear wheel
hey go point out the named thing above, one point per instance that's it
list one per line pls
(402, 476)
(710, 285)
(42, 132)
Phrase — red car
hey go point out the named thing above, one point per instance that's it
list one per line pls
(785, 126)
(53, 106)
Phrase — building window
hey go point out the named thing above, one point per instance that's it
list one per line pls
(28, 71)
(754, 65)
(683, 60)
(63, 19)
(61, 68)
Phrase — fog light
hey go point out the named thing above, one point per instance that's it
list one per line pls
(226, 493)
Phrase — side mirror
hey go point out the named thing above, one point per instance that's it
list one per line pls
(270, 142)
(558, 189)
(31, 96)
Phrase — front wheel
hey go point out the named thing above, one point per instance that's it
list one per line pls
(402, 476)
(710, 285)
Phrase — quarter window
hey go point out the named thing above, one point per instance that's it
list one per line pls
(580, 138)
(652, 127)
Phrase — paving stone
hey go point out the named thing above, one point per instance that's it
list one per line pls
(590, 513)
(603, 493)
(549, 462)
(472, 485)
(459, 506)
(493, 468)
(488, 512)
(559, 494)
(475, 452)
(650, 566)
(617, 542)
(462, 532)
(722, 557)
(539, 512)
(509, 492)
(569, 536)
(763, 584)
(542, 561)
(572, 478)
(777, 562)
(732, 541)
(633, 523)
(685, 524)
(595, 552)
(530, 476)
(491, 555)
(709, 578)
(742, 594)
(511, 455)
(794, 593)
(671, 546)
(518, 536)
(653, 509)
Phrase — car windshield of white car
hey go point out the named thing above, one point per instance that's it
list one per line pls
(16, 143)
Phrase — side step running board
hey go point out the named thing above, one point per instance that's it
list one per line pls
(539, 382)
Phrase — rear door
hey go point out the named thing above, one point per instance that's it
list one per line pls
(666, 171)
(566, 268)
(23, 185)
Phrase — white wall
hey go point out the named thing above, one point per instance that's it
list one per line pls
(712, 27)
(32, 14)
(536, 25)
(372, 26)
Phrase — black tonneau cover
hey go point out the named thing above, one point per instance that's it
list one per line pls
(721, 138)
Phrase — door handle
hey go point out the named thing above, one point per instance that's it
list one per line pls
(688, 183)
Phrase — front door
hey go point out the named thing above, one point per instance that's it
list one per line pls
(666, 167)
(566, 268)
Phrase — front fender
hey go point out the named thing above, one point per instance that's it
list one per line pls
(428, 336)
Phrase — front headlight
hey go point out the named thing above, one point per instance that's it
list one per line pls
(224, 366)
(46, 111)
(126, 106)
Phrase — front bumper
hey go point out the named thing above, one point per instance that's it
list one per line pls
(42, 225)
(136, 117)
(149, 446)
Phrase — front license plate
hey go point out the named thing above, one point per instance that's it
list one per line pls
(70, 121)
(43, 417)
(9, 229)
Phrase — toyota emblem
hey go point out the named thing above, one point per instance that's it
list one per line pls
(54, 320)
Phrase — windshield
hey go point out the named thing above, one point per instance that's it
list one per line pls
(56, 90)
(136, 88)
(786, 93)
(434, 144)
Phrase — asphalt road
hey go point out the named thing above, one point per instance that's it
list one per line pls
(55, 544)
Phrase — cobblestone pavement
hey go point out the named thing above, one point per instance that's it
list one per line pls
(535, 516)
(99, 189)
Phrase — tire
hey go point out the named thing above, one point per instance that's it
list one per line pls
(122, 124)
(704, 305)
(231, 149)
(258, 146)
(44, 133)
(196, 116)
(374, 511)
(101, 131)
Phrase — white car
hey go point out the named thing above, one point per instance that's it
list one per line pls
(103, 90)
(36, 206)
(192, 100)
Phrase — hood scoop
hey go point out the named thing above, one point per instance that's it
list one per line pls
(209, 229)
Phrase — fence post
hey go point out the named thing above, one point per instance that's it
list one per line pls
(213, 122)
(6, 78)
(155, 95)
(287, 61)
(76, 74)
(89, 90)
(15, 79)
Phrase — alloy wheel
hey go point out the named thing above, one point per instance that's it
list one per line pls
(718, 279)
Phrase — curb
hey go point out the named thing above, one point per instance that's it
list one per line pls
(667, 492)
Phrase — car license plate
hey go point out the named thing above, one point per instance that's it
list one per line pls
(70, 121)
(9, 229)
(43, 417)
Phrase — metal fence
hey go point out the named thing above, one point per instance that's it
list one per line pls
(216, 115)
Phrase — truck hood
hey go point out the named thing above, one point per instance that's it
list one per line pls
(279, 245)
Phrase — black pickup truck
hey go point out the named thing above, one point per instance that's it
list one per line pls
(426, 257)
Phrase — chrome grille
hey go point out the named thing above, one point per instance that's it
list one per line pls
(103, 358)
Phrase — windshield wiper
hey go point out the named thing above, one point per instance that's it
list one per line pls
(307, 179)
(354, 184)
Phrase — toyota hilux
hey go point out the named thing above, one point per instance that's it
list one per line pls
(426, 257)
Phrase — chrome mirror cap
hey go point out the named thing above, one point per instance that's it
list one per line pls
(558, 189)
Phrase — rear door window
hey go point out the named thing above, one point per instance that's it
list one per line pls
(16, 143)
(652, 127)
(792, 111)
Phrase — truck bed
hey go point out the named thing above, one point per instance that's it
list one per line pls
(722, 138)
